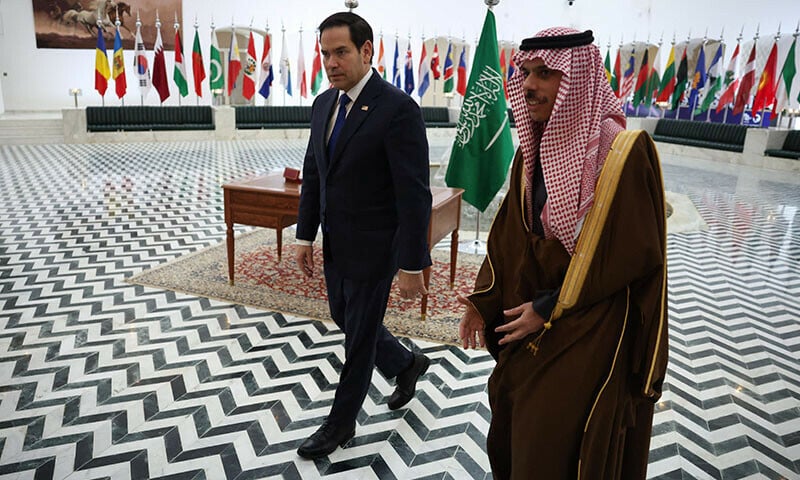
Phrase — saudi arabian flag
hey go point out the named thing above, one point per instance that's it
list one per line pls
(216, 80)
(482, 149)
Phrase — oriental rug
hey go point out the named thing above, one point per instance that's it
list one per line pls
(263, 282)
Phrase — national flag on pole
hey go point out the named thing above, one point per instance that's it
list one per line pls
(381, 61)
(424, 71)
(747, 82)
(216, 81)
(316, 67)
(667, 87)
(101, 73)
(198, 70)
(409, 73)
(607, 65)
(461, 84)
(655, 78)
(699, 78)
(140, 64)
(118, 69)
(512, 67)
(640, 93)
(234, 62)
(731, 81)
(448, 69)
(616, 74)
(627, 78)
(178, 70)
(483, 148)
(396, 68)
(266, 66)
(285, 68)
(435, 62)
(250, 68)
(301, 70)
(503, 71)
(714, 81)
(680, 79)
(160, 66)
(789, 81)
(765, 95)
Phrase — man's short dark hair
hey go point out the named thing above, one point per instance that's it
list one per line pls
(360, 31)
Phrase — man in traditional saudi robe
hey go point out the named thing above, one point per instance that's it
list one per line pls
(571, 298)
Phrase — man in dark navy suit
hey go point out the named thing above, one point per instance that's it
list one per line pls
(366, 184)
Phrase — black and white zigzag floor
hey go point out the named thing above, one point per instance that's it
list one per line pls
(103, 379)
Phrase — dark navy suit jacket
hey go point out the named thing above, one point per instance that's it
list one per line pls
(372, 197)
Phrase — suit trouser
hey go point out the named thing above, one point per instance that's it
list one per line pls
(358, 307)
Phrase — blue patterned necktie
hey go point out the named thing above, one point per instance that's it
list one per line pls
(338, 124)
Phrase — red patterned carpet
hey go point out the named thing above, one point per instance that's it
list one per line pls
(263, 282)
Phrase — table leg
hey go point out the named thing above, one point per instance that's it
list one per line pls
(280, 242)
(453, 256)
(229, 242)
(426, 277)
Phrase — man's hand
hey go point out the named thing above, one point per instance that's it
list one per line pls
(304, 257)
(527, 322)
(470, 325)
(411, 284)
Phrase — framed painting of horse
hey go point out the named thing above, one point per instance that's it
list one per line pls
(74, 23)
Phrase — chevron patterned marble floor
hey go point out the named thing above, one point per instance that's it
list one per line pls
(104, 379)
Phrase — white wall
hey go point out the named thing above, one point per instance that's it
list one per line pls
(39, 79)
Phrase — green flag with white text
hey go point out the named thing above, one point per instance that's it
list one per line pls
(482, 149)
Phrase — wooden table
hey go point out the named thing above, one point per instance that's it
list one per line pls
(267, 201)
(445, 219)
(264, 201)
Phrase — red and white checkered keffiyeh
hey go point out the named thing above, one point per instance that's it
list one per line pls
(586, 113)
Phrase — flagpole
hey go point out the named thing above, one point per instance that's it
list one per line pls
(738, 41)
(721, 34)
(283, 49)
(747, 99)
(696, 97)
(433, 80)
(196, 26)
(300, 80)
(136, 52)
(678, 111)
(650, 93)
(263, 72)
(100, 32)
(176, 26)
(214, 99)
(117, 23)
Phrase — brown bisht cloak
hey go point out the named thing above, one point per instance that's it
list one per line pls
(576, 399)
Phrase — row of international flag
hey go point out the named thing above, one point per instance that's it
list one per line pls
(257, 75)
(776, 89)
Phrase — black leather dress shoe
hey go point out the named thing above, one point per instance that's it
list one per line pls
(325, 440)
(407, 381)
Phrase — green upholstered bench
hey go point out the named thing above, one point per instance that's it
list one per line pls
(102, 119)
(437, 117)
(701, 134)
(144, 118)
(251, 117)
(790, 148)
